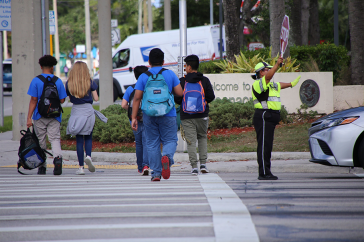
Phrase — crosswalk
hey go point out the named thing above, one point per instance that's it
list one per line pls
(109, 206)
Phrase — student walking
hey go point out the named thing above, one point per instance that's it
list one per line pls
(82, 91)
(47, 120)
(159, 114)
(267, 104)
(140, 136)
(197, 94)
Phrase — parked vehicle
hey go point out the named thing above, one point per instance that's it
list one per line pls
(7, 75)
(338, 139)
(134, 50)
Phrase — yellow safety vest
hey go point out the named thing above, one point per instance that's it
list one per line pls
(268, 95)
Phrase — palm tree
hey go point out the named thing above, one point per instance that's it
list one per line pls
(356, 22)
(277, 12)
(232, 21)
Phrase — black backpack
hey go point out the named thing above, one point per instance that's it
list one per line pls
(130, 108)
(49, 105)
(31, 155)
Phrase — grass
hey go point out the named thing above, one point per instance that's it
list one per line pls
(287, 138)
(8, 124)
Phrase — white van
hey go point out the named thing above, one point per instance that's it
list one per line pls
(202, 41)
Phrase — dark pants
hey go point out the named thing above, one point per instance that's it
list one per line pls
(264, 122)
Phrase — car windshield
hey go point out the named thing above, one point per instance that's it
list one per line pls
(7, 68)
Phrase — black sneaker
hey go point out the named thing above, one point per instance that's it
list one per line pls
(194, 171)
(156, 178)
(57, 166)
(203, 169)
(42, 170)
(268, 177)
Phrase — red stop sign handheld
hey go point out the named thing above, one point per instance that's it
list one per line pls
(284, 34)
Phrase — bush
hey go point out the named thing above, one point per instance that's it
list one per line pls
(209, 67)
(116, 130)
(226, 114)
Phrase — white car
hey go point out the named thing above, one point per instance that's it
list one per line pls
(338, 139)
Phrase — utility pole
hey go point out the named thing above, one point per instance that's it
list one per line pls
(145, 17)
(150, 16)
(140, 16)
(56, 39)
(6, 54)
(211, 12)
(88, 35)
(167, 15)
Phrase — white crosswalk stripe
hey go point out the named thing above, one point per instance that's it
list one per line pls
(128, 208)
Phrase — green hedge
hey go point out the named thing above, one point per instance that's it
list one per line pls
(116, 130)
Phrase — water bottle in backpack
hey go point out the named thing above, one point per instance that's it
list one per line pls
(193, 98)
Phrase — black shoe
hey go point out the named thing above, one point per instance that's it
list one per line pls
(268, 177)
(203, 169)
(57, 166)
(42, 170)
(156, 178)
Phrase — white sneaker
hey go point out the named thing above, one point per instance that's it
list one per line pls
(88, 162)
(194, 171)
(80, 171)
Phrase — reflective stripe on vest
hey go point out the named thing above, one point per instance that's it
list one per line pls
(271, 99)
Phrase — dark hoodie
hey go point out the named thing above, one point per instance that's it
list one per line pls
(195, 77)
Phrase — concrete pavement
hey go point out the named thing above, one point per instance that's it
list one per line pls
(217, 162)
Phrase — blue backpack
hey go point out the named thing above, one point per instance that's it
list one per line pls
(157, 99)
(193, 98)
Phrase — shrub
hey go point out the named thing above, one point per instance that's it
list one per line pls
(116, 130)
(226, 114)
(209, 67)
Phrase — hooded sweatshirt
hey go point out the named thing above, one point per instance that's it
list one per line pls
(195, 77)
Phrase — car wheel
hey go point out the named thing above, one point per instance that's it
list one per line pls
(361, 153)
(116, 93)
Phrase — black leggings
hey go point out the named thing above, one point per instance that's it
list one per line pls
(265, 121)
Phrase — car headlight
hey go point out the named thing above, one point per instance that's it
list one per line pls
(339, 121)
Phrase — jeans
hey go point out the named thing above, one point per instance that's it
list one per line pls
(160, 130)
(80, 140)
(141, 147)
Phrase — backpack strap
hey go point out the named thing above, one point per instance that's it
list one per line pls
(42, 78)
(20, 171)
(150, 74)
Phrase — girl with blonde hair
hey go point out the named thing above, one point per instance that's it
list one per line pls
(82, 91)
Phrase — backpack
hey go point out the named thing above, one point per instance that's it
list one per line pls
(49, 105)
(31, 155)
(193, 98)
(157, 99)
(130, 108)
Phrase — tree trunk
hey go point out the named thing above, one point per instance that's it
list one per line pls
(356, 22)
(305, 17)
(314, 29)
(276, 12)
(245, 15)
(296, 22)
(232, 21)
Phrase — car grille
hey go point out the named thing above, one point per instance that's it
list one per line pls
(325, 148)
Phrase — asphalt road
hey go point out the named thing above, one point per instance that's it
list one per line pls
(119, 205)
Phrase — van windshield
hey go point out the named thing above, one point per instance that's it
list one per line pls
(121, 58)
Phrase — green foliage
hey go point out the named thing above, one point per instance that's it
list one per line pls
(243, 64)
(209, 67)
(225, 114)
(116, 130)
(285, 116)
(304, 115)
(8, 124)
(198, 14)
(329, 57)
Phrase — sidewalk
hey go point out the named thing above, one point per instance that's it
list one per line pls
(217, 162)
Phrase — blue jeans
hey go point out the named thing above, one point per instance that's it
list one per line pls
(141, 147)
(160, 130)
(80, 140)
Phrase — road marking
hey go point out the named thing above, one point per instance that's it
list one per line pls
(105, 215)
(104, 226)
(185, 239)
(108, 205)
(231, 218)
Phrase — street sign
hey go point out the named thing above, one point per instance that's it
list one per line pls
(5, 16)
(115, 36)
(114, 23)
(284, 34)
(52, 23)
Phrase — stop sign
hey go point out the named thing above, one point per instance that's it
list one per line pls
(284, 34)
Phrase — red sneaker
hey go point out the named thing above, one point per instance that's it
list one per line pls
(156, 178)
(145, 171)
(166, 172)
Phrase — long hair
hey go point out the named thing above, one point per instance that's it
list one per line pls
(79, 80)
